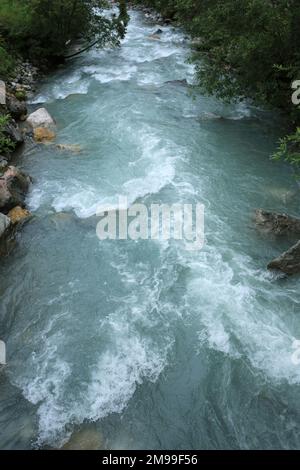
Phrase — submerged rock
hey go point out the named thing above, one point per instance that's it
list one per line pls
(41, 118)
(14, 185)
(183, 82)
(279, 224)
(69, 148)
(86, 439)
(281, 194)
(18, 214)
(42, 135)
(289, 261)
(154, 37)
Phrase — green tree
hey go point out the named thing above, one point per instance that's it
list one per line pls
(43, 28)
(244, 49)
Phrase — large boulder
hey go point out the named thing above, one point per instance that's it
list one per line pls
(279, 224)
(14, 185)
(41, 118)
(289, 261)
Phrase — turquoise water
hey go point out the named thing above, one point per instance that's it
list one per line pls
(144, 343)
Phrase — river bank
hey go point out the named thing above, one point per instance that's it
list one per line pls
(14, 184)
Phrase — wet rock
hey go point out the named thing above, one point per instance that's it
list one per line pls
(154, 37)
(42, 135)
(14, 185)
(4, 224)
(177, 82)
(41, 118)
(288, 262)
(69, 148)
(86, 439)
(279, 224)
(3, 164)
(18, 215)
(17, 109)
(158, 32)
(2, 353)
(210, 116)
(13, 132)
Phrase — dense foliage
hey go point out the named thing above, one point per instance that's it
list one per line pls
(41, 29)
(6, 145)
(243, 48)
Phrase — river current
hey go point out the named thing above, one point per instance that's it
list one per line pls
(143, 343)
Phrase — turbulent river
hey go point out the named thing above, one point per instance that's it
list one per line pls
(145, 344)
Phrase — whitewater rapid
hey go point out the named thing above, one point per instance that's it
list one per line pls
(156, 346)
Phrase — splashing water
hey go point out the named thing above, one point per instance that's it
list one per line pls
(159, 347)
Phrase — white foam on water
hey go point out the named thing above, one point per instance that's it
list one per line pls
(68, 84)
(229, 315)
(156, 165)
(107, 74)
(130, 358)
(234, 322)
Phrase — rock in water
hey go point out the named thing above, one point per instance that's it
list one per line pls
(42, 135)
(14, 185)
(74, 148)
(183, 82)
(154, 37)
(2, 353)
(18, 214)
(87, 439)
(288, 262)
(41, 118)
(4, 224)
(279, 224)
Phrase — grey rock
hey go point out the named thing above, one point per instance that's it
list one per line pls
(13, 132)
(3, 163)
(4, 224)
(2, 353)
(289, 261)
(177, 82)
(279, 224)
(40, 118)
(16, 108)
(14, 185)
